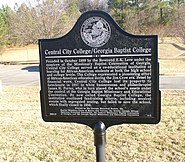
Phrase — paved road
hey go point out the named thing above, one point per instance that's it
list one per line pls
(172, 82)
(19, 75)
(27, 75)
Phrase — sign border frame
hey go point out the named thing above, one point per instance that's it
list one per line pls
(92, 120)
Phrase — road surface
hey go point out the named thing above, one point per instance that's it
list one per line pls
(28, 75)
(19, 75)
(172, 82)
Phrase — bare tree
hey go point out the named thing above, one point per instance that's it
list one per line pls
(178, 25)
(46, 19)
(99, 4)
(84, 5)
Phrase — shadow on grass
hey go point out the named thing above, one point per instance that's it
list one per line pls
(179, 47)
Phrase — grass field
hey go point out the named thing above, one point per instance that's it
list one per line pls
(169, 56)
(26, 138)
(21, 54)
(168, 66)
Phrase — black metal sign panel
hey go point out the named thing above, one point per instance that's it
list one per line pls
(98, 72)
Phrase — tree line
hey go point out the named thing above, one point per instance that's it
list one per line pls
(53, 18)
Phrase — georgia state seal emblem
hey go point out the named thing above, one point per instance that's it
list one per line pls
(95, 31)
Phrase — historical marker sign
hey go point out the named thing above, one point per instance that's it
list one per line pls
(98, 72)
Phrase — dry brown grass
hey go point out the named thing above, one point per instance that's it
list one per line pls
(21, 54)
(172, 66)
(168, 50)
(170, 56)
(25, 137)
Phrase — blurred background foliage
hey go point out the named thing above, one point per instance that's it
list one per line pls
(24, 24)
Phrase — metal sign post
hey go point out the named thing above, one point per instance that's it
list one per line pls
(100, 141)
